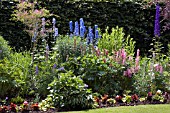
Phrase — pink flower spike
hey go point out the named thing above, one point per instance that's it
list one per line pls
(129, 73)
(138, 51)
(117, 56)
(161, 69)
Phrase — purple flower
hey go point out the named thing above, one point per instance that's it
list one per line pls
(54, 21)
(61, 69)
(157, 25)
(71, 26)
(36, 70)
(0, 51)
(54, 66)
(56, 32)
(86, 86)
(43, 22)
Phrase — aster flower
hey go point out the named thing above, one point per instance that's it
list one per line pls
(157, 25)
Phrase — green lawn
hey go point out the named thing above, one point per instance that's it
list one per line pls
(130, 109)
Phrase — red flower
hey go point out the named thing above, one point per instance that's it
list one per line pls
(134, 97)
(35, 107)
(13, 107)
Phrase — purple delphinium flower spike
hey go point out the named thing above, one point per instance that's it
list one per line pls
(71, 26)
(36, 70)
(157, 24)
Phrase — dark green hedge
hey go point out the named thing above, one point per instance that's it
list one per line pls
(12, 31)
(135, 20)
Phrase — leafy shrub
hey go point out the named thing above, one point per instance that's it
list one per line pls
(19, 69)
(116, 40)
(103, 73)
(4, 48)
(7, 82)
(66, 47)
(69, 92)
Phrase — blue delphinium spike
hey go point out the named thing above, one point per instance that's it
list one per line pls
(157, 24)
(82, 31)
(95, 27)
(56, 32)
(97, 34)
(81, 22)
(91, 36)
(71, 26)
(76, 29)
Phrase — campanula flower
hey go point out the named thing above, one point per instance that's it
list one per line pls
(36, 70)
(61, 69)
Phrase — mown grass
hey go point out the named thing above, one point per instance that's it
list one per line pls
(130, 109)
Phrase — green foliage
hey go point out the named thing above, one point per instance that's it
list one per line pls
(143, 78)
(116, 40)
(7, 82)
(17, 100)
(153, 75)
(20, 71)
(66, 47)
(69, 92)
(4, 49)
(102, 73)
